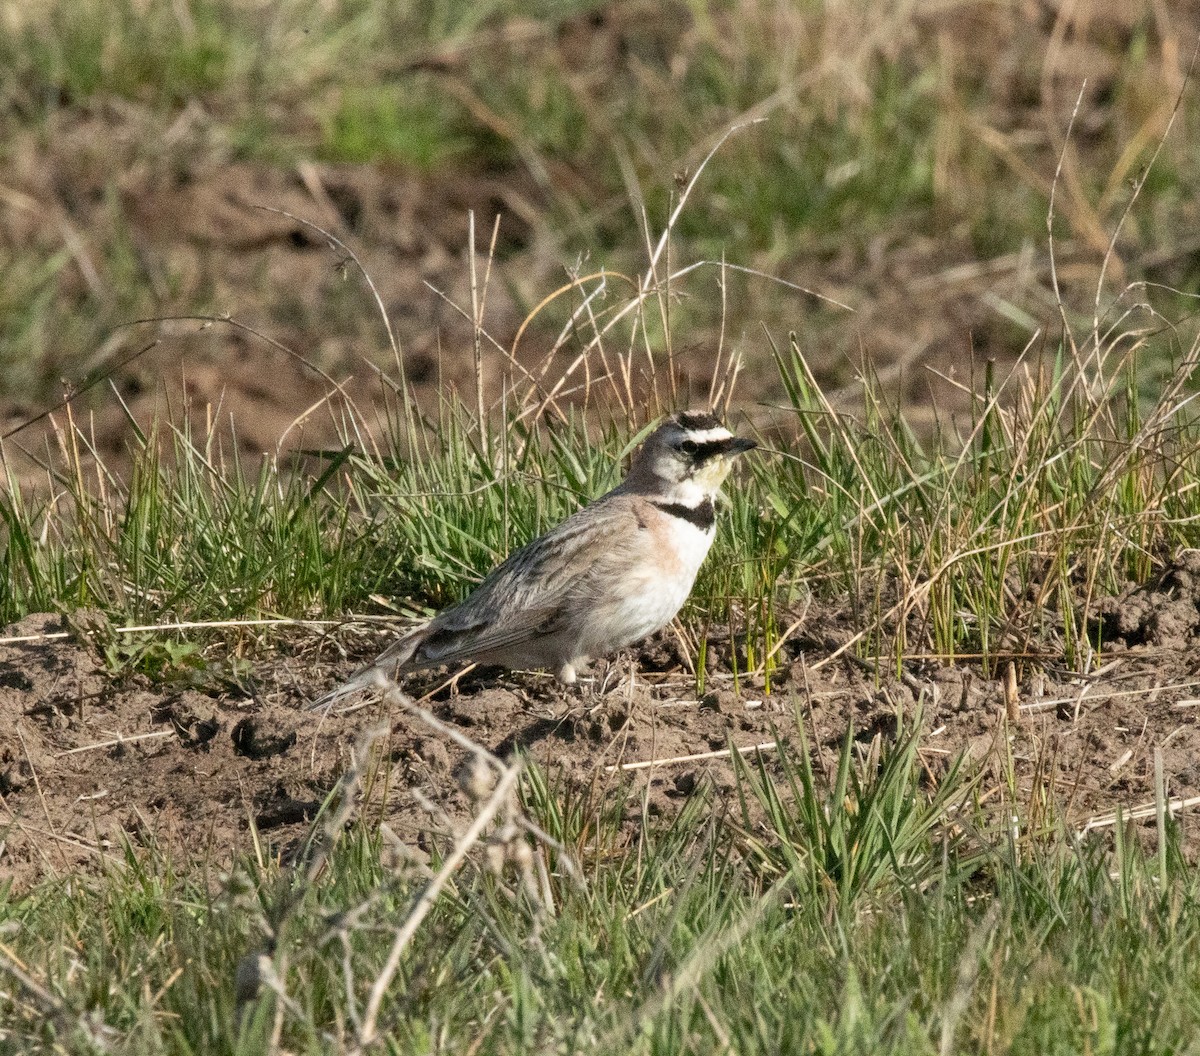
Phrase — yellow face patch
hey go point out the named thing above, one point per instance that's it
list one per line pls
(711, 475)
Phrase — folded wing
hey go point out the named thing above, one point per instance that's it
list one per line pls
(524, 599)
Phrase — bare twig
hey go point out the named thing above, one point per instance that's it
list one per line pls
(425, 902)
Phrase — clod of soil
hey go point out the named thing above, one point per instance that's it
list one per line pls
(1165, 613)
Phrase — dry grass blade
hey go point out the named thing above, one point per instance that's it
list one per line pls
(120, 739)
(1084, 697)
(333, 240)
(720, 753)
(187, 625)
(1145, 810)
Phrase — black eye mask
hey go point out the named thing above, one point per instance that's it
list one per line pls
(731, 445)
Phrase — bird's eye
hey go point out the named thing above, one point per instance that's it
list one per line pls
(688, 447)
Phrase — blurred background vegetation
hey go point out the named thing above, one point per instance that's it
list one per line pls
(903, 168)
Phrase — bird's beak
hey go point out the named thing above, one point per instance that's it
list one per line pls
(738, 445)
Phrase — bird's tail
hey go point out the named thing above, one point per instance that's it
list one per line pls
(375, 675)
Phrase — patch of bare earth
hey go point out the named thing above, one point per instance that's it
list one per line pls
(210, 242)
(90, 764)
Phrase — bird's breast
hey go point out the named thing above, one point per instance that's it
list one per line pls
(648, 593)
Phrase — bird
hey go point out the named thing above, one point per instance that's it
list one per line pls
(610, 574)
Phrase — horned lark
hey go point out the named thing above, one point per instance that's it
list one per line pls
(607, 576)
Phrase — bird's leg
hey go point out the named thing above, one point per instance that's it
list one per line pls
(454, 679)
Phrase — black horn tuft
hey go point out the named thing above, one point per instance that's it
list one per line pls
(697, 420)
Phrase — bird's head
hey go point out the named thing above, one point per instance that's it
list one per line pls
(687, 458)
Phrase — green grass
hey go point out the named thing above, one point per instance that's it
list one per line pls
(849, 918)
(377, 126)
(875, 907)
(872, 907)
(876, 127)
(993, 537)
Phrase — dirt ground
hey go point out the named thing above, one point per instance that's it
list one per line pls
(91, 764)
(259, 328)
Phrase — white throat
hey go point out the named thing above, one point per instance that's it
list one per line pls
(688, 492)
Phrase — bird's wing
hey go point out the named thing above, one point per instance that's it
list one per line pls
(529, 594)
(456, 640)
(521, 600)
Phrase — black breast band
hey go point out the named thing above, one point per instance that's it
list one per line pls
(702, 516)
